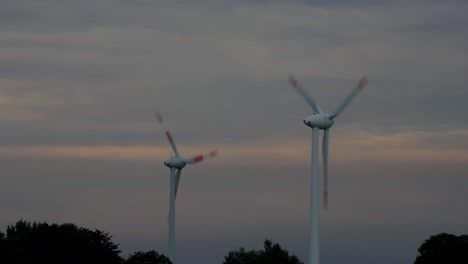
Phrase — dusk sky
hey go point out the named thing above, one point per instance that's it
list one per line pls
(79, 142)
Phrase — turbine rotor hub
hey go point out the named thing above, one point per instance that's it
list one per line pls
(175, 162)
(319, 120)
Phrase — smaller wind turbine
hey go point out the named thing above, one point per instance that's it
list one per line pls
(320, 120)
(176, 164)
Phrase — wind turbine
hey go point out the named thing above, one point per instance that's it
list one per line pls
(176, 164)
(320, 120)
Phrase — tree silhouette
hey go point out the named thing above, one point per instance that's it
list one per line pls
(149, 257)
(2, 247)
(272, 253)
(27, 242)
(443, 249)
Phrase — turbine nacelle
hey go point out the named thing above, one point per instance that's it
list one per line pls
(175, 163)
(319, 120)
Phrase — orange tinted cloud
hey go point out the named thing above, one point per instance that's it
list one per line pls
(90, 152)
(405, 146)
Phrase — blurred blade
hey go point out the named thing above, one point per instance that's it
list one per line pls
(168, 134)
(202, 157)
(325, 167)
(171, 240)
(298, 87)
(177, 179)
(171, 188)
(360, 86)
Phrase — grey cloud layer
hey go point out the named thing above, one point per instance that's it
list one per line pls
(118, 67)
(93, 73)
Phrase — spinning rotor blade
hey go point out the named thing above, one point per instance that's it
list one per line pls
(177, 179)
(325, 167)
(202, 157)
(170, 217)
(362, 83)
(168, 134)
(298, 87)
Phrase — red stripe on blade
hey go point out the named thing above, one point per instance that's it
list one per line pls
(198, 158)
(362, 83)
(158, 115)
(169, 137)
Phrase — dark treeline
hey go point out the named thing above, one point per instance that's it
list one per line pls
(443, 249)
(26, 243)
(271, 253)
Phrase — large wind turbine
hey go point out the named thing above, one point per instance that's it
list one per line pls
(320, 120)
(176, 164)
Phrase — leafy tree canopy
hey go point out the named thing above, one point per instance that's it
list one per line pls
(149, 257)
(27, 242)
(272, 253)
(443, 249)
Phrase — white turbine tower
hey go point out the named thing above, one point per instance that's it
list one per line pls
(176, 164)
(320, 120)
